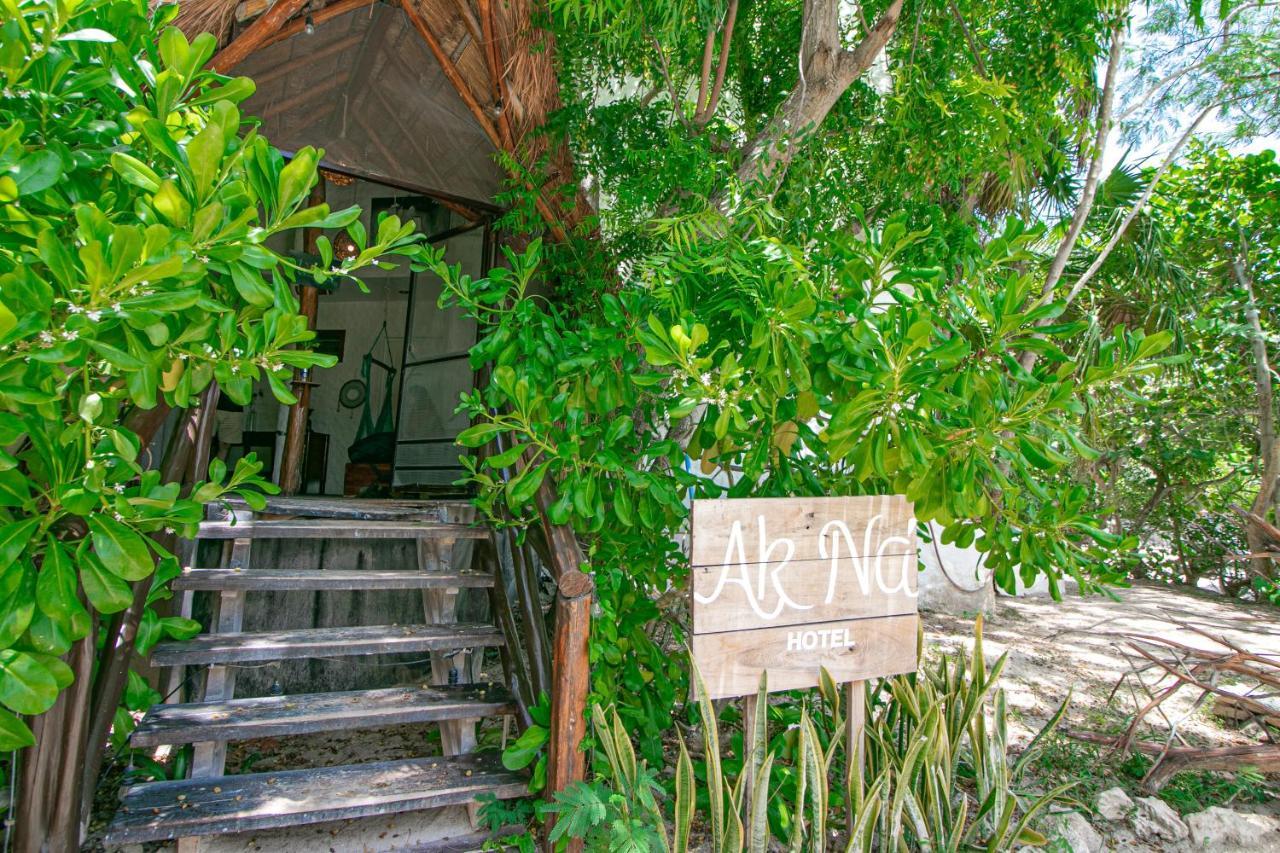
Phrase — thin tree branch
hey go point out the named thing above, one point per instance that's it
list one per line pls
(704, 77)
(1137, 206)
(713, 101)
(1094, 176)
(671, 87)
(826, 72)
(973, 45)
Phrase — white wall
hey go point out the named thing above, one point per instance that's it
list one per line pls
(361, 315)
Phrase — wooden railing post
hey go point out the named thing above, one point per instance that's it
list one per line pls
(570, 657)
(571, 681)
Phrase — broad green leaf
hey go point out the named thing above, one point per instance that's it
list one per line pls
(478, 434)
(25, 685)
(121, 550)
(106, 592)
(56, 591)
(88, 34)
(134, 171)
(37, 171)
(14, 539)
(7, 320)
(14, 733)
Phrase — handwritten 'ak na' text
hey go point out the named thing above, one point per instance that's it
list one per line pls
(764, 581)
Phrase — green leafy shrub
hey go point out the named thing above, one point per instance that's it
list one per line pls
(733, 358)
(135, 269)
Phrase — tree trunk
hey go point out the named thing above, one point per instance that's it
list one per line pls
(1268, 449)
(826, 73)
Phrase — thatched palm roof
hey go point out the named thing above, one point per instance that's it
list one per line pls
(419, 93)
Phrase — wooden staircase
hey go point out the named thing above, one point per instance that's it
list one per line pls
(211, 802)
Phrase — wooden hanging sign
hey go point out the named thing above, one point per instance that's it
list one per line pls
(792, 585)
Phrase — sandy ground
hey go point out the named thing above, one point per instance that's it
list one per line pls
(1076, 645)
(1053, 648)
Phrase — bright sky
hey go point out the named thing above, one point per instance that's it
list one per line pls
(1154, 148)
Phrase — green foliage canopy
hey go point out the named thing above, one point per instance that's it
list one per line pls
(136, 203)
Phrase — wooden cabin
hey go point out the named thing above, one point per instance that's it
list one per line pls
(363, 638)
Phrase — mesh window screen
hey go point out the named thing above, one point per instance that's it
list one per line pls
(436, 374)
(365, 87)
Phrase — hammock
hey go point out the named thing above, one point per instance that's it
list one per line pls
(376, 440)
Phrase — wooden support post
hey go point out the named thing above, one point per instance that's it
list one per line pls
(295, 436)
(457, 737)
(187, 459)
(571, 681)
(209, 758)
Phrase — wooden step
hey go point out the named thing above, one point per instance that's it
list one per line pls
(309, 579)
(274, 716)
(326, 528)
(157, 811)
(323, 642)
(367, 509)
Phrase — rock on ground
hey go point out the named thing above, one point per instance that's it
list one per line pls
(1156, 819)
(1217, 828)
(1076, 832)
(1114, 804)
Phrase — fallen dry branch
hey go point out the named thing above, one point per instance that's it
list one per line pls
(1177, 666)
(1262, 758)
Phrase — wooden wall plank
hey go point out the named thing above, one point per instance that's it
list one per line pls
(801, 520)
(851, 650)
(788, 561)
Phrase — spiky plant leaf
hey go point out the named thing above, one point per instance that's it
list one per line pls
(758, 816)
(686, 800)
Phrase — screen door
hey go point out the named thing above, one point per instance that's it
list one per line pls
(436, 373)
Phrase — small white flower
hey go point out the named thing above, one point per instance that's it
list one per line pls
(115, 306)
(169, 530)
(705, 379)
(118, 516)
(95, 316)
(74, 309)
(275, 366)
(90, 464)
(119, 487)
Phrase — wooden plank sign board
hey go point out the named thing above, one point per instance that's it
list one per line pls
(792, 585)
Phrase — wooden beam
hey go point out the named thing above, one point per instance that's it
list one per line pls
(328, 13)
(477, 111)
(295, 436)
(255, 35)
(570, 658)
(451, 72)
(469, 19)
(493, 59)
